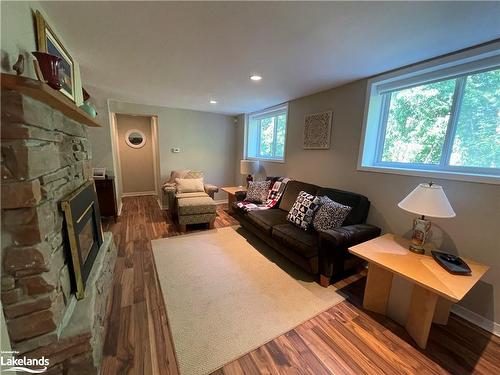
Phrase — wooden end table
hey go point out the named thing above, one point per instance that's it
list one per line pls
(231, 195)
(435, 290)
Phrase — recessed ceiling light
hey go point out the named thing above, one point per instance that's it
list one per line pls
(255, 77)
(213, 101)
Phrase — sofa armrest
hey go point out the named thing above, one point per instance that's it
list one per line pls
(240, 195)
(344, 237)
(211, 189)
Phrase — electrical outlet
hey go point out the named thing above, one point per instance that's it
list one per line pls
(175, 150)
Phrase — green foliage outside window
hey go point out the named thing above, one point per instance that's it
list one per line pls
(417, 122)
(477, 139)
(418, 119)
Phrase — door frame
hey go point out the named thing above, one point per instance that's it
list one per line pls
(116, 156)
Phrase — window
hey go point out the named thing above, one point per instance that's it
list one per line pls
(442, 120)
(266, 134)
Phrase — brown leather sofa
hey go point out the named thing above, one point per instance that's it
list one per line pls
(324, 253)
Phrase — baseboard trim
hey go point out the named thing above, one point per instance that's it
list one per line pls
(476, 319)
(138, 193)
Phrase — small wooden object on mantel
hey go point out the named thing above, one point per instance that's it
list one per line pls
(19, 65)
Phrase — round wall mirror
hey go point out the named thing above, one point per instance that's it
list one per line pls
(135, 138)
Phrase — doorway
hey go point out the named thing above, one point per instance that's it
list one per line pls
(136, 145)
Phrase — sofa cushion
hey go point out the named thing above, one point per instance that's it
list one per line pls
(302, 212)
(359, 203)
(266, 219)
(298, 240)
(292, 190)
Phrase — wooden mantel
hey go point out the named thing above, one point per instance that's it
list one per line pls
(41, 91)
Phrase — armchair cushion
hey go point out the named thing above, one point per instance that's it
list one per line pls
(179, 173)
(191, 195)
(344, 237)
(189, 185)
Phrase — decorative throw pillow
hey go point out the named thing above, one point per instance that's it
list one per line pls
(189, 185)
(330, 215)
(257, 191)
(302, 212)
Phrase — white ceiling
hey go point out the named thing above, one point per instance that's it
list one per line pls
(184, 54)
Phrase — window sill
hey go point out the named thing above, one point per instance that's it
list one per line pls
(266, 160)
(447, 175)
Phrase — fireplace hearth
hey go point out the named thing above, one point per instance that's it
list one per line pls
(84, 234)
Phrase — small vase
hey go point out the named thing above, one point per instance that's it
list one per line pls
(49, 65)
(89, 109)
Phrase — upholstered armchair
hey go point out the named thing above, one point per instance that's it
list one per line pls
(170, 187)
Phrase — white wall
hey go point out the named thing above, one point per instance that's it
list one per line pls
(474, 233)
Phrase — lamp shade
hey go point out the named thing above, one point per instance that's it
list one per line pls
(249, 166)
(428, 200)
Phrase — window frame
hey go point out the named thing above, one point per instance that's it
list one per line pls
(377, 105)
(259, 115)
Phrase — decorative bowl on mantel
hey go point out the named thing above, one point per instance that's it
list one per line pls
(49, 65)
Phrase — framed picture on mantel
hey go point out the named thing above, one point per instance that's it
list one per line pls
(48, 42)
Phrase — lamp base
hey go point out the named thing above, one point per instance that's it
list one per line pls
(416, 249)
(421, 229)
(249, 178)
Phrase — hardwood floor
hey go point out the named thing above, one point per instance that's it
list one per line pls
(343, 340)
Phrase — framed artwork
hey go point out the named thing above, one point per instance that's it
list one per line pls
(317, 131)
(48, 42)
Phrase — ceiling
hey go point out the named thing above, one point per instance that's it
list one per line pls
(183, 54)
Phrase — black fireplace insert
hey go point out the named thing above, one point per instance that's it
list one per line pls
(84, 233)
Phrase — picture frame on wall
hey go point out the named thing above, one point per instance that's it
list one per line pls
(48, 42)
(317, 131)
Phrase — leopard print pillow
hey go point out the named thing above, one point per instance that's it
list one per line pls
(330, 215)
(257, 191)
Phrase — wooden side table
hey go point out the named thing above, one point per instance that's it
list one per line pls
(435, 290)
(231, 195)
(106, 196)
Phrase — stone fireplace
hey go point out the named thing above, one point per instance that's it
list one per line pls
(45, 159)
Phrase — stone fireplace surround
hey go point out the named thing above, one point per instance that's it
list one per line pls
(46, 156)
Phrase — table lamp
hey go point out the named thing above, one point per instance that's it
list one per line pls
(249, 167)
(425, 200)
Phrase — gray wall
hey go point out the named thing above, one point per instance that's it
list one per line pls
(474, 233)
(206, 141)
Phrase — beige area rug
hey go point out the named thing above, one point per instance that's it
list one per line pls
(226, 293)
